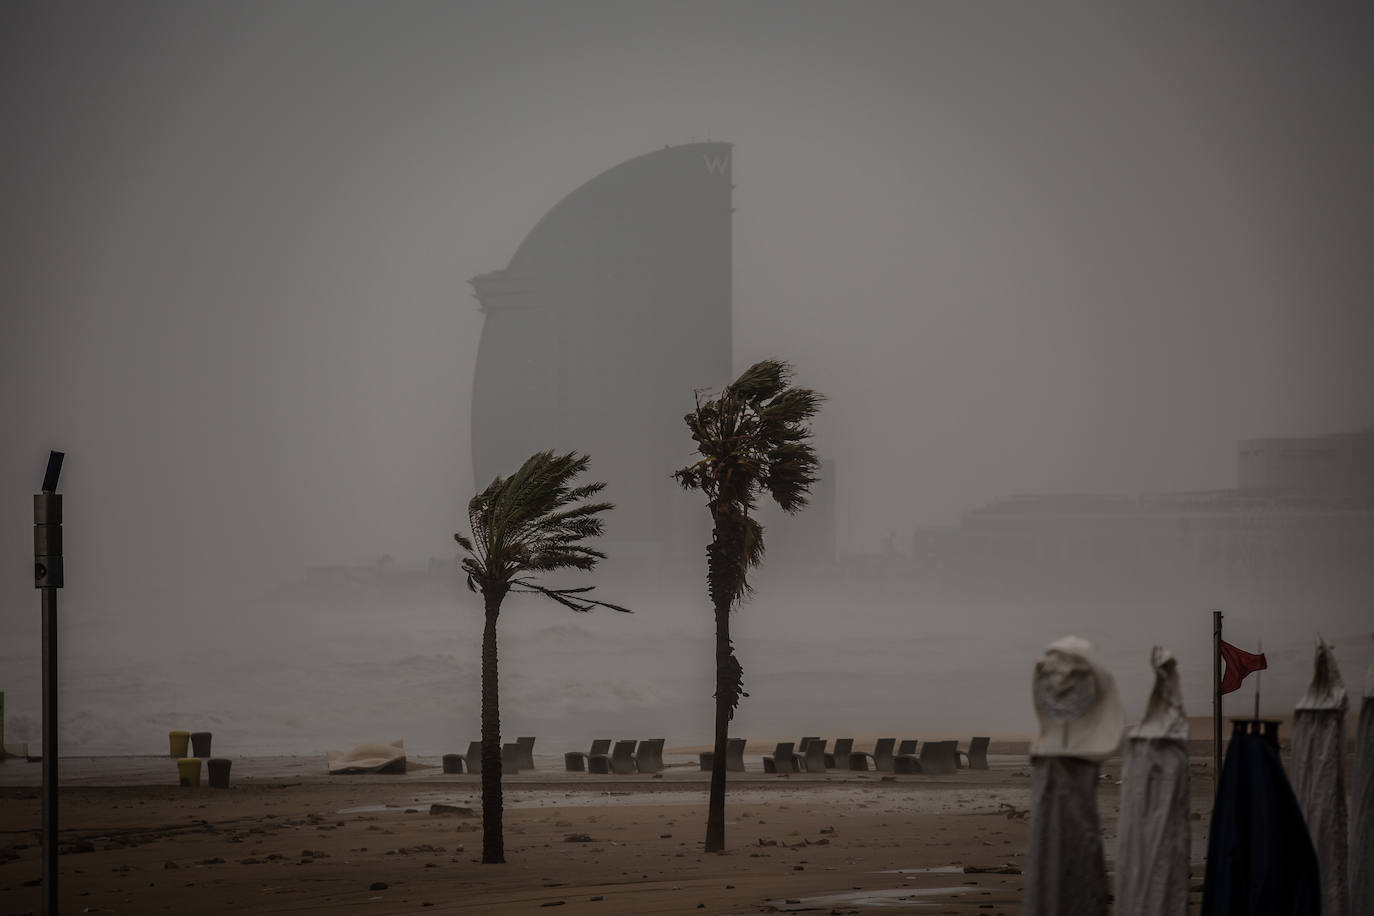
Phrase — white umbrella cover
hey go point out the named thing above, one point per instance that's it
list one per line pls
(1319, 777)
(1153, 830)
(1362, 829)
(1081, 724)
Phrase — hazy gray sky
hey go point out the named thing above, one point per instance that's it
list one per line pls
(1064, 248)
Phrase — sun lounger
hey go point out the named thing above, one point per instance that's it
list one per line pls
(649, 757)
(600, 762)
(525, 755)
(623, 758)
(881, 756)
(658, 754)
(783, 759)
(952, 754)
(734, 755)
(576, 761)
(937, 757)
(814, 758)
(801, 751)
(840, 756)
(473, 758)
(976, 757)
(905, 760)
(510, 760)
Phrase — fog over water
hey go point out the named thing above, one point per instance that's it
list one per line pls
(1021, 251)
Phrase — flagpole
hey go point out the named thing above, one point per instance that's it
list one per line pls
(1216, 700)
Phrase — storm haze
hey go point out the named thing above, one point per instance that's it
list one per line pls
(1067, 250)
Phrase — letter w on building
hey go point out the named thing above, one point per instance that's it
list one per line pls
(716, 165)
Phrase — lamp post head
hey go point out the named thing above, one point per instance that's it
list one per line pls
(47, 528)
(54, 469)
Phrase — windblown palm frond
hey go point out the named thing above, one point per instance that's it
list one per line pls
(535, 521)
(753, 438)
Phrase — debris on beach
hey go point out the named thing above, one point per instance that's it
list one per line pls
(374, 757)
(454, 810)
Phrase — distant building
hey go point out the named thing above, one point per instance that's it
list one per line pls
(1302, 518)
(1341, 464)
(614, 308)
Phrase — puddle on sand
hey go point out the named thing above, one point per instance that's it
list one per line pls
(931, 870)
(897, 896)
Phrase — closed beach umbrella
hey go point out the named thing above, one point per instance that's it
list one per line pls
(1362, 830)
(1319, 778)
(1081, 724)
(1152, 845)
(1260, 861)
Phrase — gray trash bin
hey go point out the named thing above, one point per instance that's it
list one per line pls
(219, 772)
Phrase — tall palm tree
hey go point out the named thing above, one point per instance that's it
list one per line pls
(531, 522)
(753, 438)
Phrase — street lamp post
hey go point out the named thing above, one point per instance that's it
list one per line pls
(47, 576)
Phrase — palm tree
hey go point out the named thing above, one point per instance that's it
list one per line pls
(752, 439)
(530, 522)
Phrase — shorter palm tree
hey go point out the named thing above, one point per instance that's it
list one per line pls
(531, 522)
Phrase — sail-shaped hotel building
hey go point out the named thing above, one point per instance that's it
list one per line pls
(612, 310)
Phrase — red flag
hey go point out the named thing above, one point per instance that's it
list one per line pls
(1239, 663)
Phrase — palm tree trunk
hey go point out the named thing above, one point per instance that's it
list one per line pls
(715, 812)
(723, 565)
(493, 841)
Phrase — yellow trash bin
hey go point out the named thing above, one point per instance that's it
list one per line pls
(188, 771)
(181, 742)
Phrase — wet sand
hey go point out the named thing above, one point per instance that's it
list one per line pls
(287, 837)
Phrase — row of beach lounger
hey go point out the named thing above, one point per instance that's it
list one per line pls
(514, 758)
(622, 760)
(809, 755)
(935, 757)
(629, 756)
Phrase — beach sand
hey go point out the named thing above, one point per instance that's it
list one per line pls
(287, 837)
